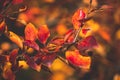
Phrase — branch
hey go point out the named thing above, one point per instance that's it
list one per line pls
(77, 34)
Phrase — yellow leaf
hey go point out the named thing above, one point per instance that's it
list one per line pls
(58, 65)
(16, 39)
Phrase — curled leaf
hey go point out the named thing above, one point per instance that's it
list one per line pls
(32, 44)
(52, 47)
(57, 41)
(78, 16)
(88, 42)
(16, 39)
(32, 64)
(76, 59)
(69, 36)
(43, 33)
(30, 32)
(23, 9)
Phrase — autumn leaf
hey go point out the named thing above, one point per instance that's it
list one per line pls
(88, 42)
(57, 41)
(84, 31)
(32, 44)
(2, 27)
(76, 59)
(69, 36)
(78, 16)
(16, 39)
(7, 72)
(43, 33)
(46, 59)
(13, 56)
(32, 64)
(30, 32)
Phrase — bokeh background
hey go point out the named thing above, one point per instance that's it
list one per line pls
(57, 14)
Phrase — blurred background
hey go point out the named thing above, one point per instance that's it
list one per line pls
(57, 14)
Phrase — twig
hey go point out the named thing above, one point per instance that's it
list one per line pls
(77, 34)
(6, 8)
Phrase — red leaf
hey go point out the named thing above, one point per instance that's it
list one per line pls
(32, 64)
(32, 44)
(84, 31)
(2, 27)
(30, 32)
(17, 2)
(43, 34)
(69, 37)
(8, 74)
(13, 56)
(78, 16)
(76, 59)
(57, 41)
(88, 42)
(48, 57)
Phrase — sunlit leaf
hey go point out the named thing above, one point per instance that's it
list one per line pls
(30, 32)
(88, 42)
(78, 16)
(23, 64)
(58, 65)
(32, 44)
(76, 59)
(32, 64)
(16, 39)
(43, 33)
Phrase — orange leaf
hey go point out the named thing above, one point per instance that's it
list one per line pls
(43, 33)
(2, 27)
(76, 59)
(78, 16)
(16, 39)
(30, 32)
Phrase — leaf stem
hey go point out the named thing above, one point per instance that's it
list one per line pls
(77, 34)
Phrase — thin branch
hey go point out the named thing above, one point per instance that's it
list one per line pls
(6, 8)
(77, 34)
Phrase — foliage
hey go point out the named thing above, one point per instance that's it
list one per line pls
(68, 48)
